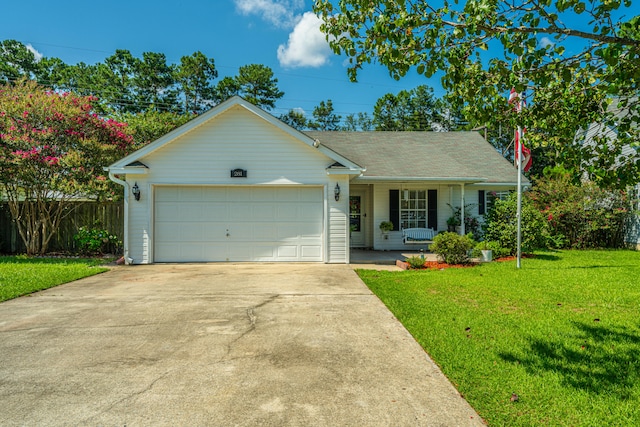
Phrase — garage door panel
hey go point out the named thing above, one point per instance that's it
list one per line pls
(310, 252)
(263, 224)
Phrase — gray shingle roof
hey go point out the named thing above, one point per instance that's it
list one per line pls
(423, 155)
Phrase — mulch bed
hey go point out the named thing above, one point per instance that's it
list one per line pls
(437, 265)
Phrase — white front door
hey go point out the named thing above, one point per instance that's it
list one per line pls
(201, 223)
(357, 219)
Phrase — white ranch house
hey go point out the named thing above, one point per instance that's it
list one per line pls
(237, 184)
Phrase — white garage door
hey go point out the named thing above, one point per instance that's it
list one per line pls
(199, 224)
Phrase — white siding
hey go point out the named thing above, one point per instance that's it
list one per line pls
(236, 139)
(338, 223)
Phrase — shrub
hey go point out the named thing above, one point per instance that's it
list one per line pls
(452, 248)
(94, 240)
(581, 216)
(501, 225)
(415, 262)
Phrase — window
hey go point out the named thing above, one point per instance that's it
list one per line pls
(413, 209)
(486, 199)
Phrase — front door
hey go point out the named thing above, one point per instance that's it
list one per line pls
(357, 219)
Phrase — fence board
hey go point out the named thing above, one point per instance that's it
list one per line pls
(108, 216)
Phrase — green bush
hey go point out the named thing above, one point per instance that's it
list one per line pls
(581, 216)
(94, 240)
(501, 225)
(415, 261)
(452, 248)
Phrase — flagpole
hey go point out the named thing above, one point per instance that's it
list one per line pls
(519, 209)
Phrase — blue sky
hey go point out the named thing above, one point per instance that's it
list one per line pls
(282, 34)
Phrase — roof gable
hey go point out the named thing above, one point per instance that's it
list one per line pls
(212, 114)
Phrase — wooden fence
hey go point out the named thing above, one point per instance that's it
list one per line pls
(106, 216)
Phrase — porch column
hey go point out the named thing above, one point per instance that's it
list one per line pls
(462, 230)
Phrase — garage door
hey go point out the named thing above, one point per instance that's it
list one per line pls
(200, 224)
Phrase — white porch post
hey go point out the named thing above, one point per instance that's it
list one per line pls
(462, 230)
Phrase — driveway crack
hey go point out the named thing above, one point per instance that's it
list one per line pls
(253, 318)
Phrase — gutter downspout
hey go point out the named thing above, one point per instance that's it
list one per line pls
(125, 239)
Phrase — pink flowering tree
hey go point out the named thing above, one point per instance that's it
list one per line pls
(53, 148)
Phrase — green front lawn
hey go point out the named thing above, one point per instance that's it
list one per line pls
(21, 275)
(562, 334)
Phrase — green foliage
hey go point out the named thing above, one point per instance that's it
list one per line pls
(581, 216)
(571, 87)
(501, 225)
(324, 118)
(561, 332)
(471, 223)
(257, 85)
(95, 240)
(295, 119)
(386, 226)
(452, 248)
(415, 262)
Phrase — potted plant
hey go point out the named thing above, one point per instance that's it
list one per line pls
(452, 223)
(483, 249)
(386, 227)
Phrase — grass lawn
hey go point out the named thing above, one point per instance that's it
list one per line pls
(20, 275)
(562, 333)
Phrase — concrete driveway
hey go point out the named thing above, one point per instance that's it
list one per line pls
(217, 345)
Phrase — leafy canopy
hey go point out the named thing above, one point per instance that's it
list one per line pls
(571, 88)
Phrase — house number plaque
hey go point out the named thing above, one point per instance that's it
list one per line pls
(238, 173)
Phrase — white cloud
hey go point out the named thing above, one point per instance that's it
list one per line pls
(281, 13)
(545, 42)
(307, 46)
(33, 50)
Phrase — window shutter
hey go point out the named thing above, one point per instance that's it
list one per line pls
(432, 209)
(481, 203)
(394, 208)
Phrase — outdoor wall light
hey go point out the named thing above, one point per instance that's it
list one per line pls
(136, 191)
(336, 192)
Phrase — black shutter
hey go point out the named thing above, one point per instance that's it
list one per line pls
(432, 209)
(481, 203)
(394, 208)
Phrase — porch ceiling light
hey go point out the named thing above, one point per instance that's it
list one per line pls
(136, 191)
(336, 192)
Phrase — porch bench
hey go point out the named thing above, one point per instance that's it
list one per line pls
(417, 236)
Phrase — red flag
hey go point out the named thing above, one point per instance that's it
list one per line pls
(526, 153)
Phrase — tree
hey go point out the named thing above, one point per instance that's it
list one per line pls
(226, 88)
(147, 126)
(407, 111)
(576, 85)
(195, 75)
(53, 148)
(115, 78)
(295, 119)
(154, 83)
(258, 86)
(325, 118)
(16, 61)
(360, 122)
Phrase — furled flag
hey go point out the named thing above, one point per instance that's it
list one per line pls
(515, 97)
